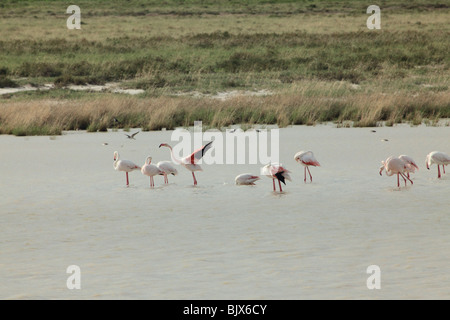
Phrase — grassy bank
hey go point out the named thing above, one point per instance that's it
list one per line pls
(317, 57)
(98, 114)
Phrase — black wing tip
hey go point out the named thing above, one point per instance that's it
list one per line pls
(280, 177)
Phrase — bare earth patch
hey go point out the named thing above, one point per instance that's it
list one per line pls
(225, 95)
(109, 87)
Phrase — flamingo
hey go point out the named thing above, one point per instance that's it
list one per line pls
(246, 179)
(167, 168)
(151, 170)
(276, 171)
(124, 165)
(411, 165)
(394, 165)
(439, 158)
(190, 162)
(306, 158)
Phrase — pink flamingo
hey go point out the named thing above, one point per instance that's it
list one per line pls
(439, 158)
(411, 165)
(167, 168)
(124, 165)
(190, 162)
(306, 158)
(246, 179)
(276, 171)
(151, 170)
(394, 165)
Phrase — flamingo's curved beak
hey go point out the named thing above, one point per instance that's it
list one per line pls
(161, 145)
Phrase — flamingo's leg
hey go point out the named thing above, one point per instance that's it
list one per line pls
(310, 176)
(398, 180)
(305, 175)
(166, 180)
(274, 189)
(439, 172)
(443, 168)
(405, 177)
(279, 183)
(128, 182)
(410, 180)
(195, 180)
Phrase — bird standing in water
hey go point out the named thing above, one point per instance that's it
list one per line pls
(276, 171)
(124, 165)
(190, 162)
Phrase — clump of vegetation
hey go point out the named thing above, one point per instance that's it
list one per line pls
(6, 82)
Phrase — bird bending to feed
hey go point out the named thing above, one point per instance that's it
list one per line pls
(131, 136)
(190, 162)
(394, 165)
(276, 171)
(411, 165)
(440, 159)
(246, 179)
(167, 168)
(151, 170)
(306, 158)
(124, 165)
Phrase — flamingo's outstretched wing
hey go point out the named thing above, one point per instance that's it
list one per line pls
(134, 134)
(198, 154)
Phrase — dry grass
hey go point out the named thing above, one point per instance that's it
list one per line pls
(54, 116)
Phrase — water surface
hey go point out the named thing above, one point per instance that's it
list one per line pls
(63, 204)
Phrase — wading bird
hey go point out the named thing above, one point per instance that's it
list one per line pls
(411, 165)
(124, 165)
(440, 159)
(190, 162)
(167, 168)
(246, 179)
(276, 171)
(306, 158)
(394, 165)
(151, 170)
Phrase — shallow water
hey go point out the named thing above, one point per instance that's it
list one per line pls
(63, 204)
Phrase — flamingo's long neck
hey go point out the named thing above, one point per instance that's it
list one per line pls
(173, 156)
(116, 160)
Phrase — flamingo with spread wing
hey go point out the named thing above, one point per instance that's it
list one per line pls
(190, 162)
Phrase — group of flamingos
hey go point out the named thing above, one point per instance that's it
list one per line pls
(402, 166)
